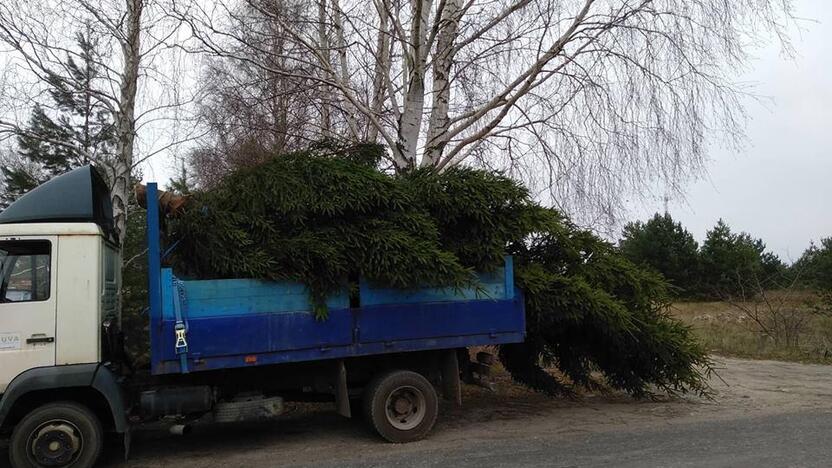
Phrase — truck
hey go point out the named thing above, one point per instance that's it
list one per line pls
(221, 350)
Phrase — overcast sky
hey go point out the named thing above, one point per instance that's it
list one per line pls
(779, 188)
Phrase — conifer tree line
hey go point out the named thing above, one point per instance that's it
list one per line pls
(727, 264)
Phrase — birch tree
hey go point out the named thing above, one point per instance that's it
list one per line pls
(589, 98)
(38, 34)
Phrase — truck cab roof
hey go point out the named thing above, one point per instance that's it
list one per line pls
(67, 204)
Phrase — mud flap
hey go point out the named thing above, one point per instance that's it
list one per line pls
(342, 397)
(451, 388)
(128, 439)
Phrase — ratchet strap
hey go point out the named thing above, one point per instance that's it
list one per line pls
(181, 326)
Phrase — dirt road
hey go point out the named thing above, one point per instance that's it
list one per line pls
(765, 413)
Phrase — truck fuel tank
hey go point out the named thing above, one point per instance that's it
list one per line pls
(177, 401)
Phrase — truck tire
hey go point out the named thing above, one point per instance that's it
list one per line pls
(60, 434)
(402, 406)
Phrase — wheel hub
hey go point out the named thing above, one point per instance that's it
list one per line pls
(56, 443)
(405, 408)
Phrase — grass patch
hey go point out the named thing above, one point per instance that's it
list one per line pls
(727, 331)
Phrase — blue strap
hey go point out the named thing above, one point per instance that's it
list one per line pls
(170, 249)
(181, 327)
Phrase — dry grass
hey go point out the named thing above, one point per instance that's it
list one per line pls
(726, 330)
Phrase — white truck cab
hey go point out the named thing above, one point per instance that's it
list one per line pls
(43, 265)
(60, 279)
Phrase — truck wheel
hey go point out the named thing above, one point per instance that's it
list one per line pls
(402, 406)
(55, 435)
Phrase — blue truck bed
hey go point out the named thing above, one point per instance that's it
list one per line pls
(233, 323)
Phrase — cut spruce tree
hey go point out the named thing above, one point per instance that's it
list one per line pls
(327, 217)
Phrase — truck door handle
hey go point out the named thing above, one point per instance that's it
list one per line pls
(40, 339)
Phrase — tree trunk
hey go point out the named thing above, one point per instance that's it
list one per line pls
(437, 137)
(410, 121)
(125, 117)
(277, 99)
(382, 65)
(326, 92)
(343, 69)
(88, 108)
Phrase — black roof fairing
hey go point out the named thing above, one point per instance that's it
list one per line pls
(80, 195)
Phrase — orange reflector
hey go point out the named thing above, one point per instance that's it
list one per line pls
(251, 359)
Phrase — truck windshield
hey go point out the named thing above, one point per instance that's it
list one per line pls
(25, 267)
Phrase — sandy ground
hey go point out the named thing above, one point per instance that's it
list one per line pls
(744, 390)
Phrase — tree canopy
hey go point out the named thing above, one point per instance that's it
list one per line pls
(74, 131)
(725, 265)
(668, 248)
(588, 100)
(731, 262)
(814, 267)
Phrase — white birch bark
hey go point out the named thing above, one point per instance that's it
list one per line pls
(410, 121)
(443, 60)
(125, 121)
(343, 67)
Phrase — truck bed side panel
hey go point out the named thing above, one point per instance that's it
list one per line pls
(243, 323)
(260, 333)
(391, 323)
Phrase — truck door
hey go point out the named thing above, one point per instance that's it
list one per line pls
(27, 305)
